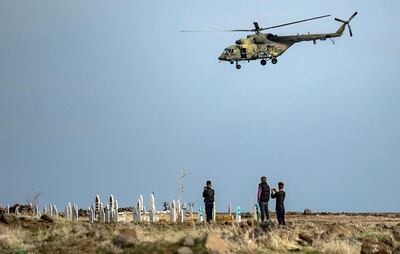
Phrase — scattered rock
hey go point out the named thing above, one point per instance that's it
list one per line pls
(8, 218)
(396, 250)
(325, 236)
(387, 241)
(373, 246)
(396, 232)
(184, 250)
(307, 238)
(302, 243)
(382, 226)
(215, 245)
(126, 238)
(307, 211)
(47, 218)
(188, 241)
(266, 225)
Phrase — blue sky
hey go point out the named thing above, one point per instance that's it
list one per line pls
(100, 97)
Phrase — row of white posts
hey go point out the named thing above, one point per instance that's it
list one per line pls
(71, 212)
(109, 212)
(50, 210)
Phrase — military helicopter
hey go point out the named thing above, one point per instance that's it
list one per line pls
(268, 46)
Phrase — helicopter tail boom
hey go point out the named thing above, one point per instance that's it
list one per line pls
(315, 37)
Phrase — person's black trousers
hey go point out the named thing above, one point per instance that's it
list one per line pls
(280, 214)
(264, 211)
(209, 209)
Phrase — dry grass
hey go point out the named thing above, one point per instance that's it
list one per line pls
(14, 238)
(330, 234)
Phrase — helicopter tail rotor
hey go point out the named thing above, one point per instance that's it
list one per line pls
(348, 22)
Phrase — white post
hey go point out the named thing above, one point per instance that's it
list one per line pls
(101, 208)
(107, 212)
(238, 215)
(44, 209)
(141, 208)
(55, 211)
(178, 206)
(172, 215)
(214, 213)
(97, 203)
(51, 209)
(173, 204)
(112, 202)
(102, 216)
(69, 211)
(116, 211)
(66, 216)
(230, 209)
(137, 215)
(17, 211)
(201, 215)
(181, 216)
(191, 208)
(152, 216)
(91, 215)
(152, 203)
(75, 213)
(8, 208)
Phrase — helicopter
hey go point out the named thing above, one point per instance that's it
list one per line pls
(268, 46)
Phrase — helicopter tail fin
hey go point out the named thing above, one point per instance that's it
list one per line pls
(341, 29)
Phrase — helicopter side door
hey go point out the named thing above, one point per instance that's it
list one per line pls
(243, 53)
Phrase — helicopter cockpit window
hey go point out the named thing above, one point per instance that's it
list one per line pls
(228, 51)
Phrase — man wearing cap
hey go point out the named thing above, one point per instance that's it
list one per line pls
(280, 199)
(208, 195)
(263, 198)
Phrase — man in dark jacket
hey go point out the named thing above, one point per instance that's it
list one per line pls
(279, 207)
(208, 195)
(263, 198)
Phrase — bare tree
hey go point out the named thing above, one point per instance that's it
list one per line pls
(181, 175)
(33, 198)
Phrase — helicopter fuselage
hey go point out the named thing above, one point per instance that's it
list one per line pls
(258, 46)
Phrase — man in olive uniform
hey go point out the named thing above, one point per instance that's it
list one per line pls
(208, 195)
(263, 198)
(279, 207)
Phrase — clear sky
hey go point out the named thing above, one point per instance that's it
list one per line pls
(100, 97)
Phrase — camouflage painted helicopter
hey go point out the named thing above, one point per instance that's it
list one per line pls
(268, 46)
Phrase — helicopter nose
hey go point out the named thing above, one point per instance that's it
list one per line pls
(221, 57)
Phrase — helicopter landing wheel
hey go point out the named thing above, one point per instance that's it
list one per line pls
(238, 66)
(263, 62)
(274, 61)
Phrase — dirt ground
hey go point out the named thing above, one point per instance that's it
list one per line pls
(316, 233)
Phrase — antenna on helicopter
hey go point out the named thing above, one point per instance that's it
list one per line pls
(348, 22)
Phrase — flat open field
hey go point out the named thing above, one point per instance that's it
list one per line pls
(315, 233)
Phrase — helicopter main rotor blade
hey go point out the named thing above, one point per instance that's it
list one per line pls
(352, 16)
(351, 32)
(257, 28)
(340, 20)
(217, 31)
(295, 22)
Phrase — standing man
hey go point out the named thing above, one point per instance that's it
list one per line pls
(208, 195)
(263, 198)
(280, 207)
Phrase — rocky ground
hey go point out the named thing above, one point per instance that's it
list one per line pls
(322, 233)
